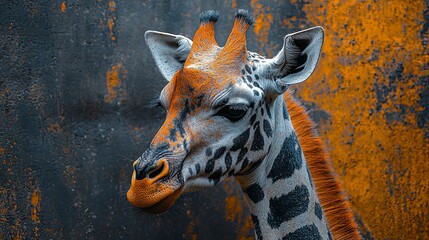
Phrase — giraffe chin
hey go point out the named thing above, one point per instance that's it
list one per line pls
(162, 205)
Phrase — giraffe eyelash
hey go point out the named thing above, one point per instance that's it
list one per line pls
(238, 106)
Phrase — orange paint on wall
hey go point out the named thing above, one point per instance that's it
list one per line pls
(190, 229)
(234, 4)
(367, 82)
(114, 83)
(36, 198)
(111, 19)
(263, 20)
(236, 210)
(54, 127)
(63, 7)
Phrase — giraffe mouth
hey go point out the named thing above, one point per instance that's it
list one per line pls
(156, 206)
(165, 203)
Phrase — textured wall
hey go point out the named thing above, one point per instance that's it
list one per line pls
(373, 85)
(76, 78)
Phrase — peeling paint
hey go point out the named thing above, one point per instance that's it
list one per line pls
(63, 7)
(190, 230)
(115, 84)
(235, 206)
(111, 19)
(263, 20)
(368, 82)
(54, 127)
(234, 4)
(36, 198)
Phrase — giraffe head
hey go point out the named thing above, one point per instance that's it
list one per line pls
(218, 102)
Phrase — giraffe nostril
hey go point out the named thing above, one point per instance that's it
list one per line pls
(157, 171)
(139, 172)
(153, 172)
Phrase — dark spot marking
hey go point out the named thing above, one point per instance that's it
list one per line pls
(190, 171)
(252, 105)
(255, 125)
(318, 210)
(308, 232)
(243, 72)
(242, 154)
(253, 68)
(258, 231)
(267, 128)
(215, 177)
(285, 112)
(252, 119)
(209, 151)
(249, 78)
(256, 93)
(288, 206)
(200, 100)
(241, 140)
(258, 140)
(268, 110)
(210, 166)
(255, 83)
(185, 111)
(244, 165)
(262, 111)
(255, 192)
(250, 86)
(191, 89)
(228, 161)
(248, 69)
(172, 135)
(219, 152)
(197, 168)
(178, 122)
(288, 160)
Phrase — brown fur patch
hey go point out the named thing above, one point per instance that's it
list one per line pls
(331, 195)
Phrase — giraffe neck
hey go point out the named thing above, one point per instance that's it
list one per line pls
(282, 200)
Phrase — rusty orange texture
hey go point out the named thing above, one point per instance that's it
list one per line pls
(373, 83)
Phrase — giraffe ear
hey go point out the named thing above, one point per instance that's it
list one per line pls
(298, 57)
(169, 51)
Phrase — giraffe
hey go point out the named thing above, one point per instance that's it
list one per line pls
(229, 113)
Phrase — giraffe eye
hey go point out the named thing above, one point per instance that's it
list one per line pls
(233, 114)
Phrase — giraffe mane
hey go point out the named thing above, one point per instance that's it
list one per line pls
(329, 190)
